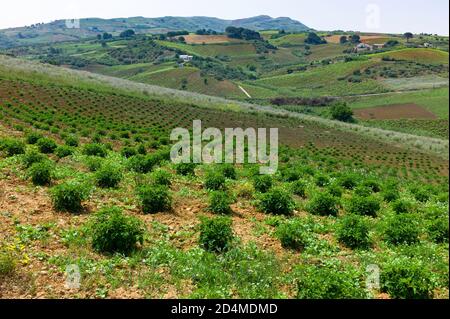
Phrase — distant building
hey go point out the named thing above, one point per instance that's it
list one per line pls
(361, 47)
(427, 45)
(186, 58)
(378, 46)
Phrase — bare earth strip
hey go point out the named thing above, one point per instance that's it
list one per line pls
(395, 112)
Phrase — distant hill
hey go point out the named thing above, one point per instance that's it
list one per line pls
(57, 31)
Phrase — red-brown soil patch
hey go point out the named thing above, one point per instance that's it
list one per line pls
(395, 112)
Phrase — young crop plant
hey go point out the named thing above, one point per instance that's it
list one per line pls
(219, 203)
(323, 204)
(113, 232)
(262, 183)
(64, 151)
(161, 177)
(95, 149)
(69, 196)
(403, 206)
(12, 147)
(364, 206)
(186, 169)
(33, 157)
(46, 145)
(293, 235)
(407, 278)
(299, 188)
(154, 199)
(353, 232)
(41, 173)
(438, 229)
(128, 151)
(72, 141)
(109, 175)
(228, 170)
(402, 229)
(33, 137)
(216, 234)
(214, 181)
(277, 201)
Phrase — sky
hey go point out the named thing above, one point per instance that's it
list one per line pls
(386, 16)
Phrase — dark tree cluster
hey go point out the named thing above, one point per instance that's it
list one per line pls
(243, 34)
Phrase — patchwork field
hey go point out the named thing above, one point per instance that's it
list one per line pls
(394, 112)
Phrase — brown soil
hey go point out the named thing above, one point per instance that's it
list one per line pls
(207, 39)
(395, 112)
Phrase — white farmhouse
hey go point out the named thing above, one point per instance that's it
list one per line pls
(186, 58)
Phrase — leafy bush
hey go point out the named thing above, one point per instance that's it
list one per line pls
(245, 190)
(7, 262)
(114, 232)
(185, 169)
(390, 195)
(41, 173)
(329, 281)
(109, 175)
(12, 147)
(349, 181)
(335, 190)
(363, 191)
(262, 183)
(33, 157)
(33, 137)
(140, 164)
(438, 230)
(161, 177)
(292, 235)
(128, 152)
(353, 232)
(277, 201)
(95, 149)
(372, 184)
(154, 199)
(46, 145)
(216, 234)
(403, 206)
(342, 112)
(68, 197)
(407, 278)
(322, 180)
(214, 181)
(402, 229)
(228, 171)
(64, 151)
(323, 204)
(94, 163)
(367, 206)
(299, 188)
(219, 203)
(72, 141)
(421, 194)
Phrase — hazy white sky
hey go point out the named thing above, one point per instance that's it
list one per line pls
(396, 16)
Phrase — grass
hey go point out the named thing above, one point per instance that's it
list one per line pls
(431, 56)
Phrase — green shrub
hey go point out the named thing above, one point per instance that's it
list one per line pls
(262, 183)
(438, 230)
(114, 232)
(154, 199)
(186, 169)
(219, 203)
(329, 281)
(390, 195)
(128, 151)
(402, 229)
(216, 234)
(41, 173)
(64, 151)
(353, 232)
(72, 141)
(12, 147)
(277, 202)
(46, 145)
(7, 263)
(403, 206)
(349, 181)
(372, 184)
(214, 181)
(33, 137)
(292, 235)
(341, 112)
(363, 191)
(95, 149)
(421, 194)
(32, 157)
(68, 197)
(140, 164)
(299, 188)
(291, 174)
(322, 180)
(109, 175)
(407, 278)
(161, 177)
(366, 206)
(323, 204)
(228, 171)
(94, 163)
(335, 190)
